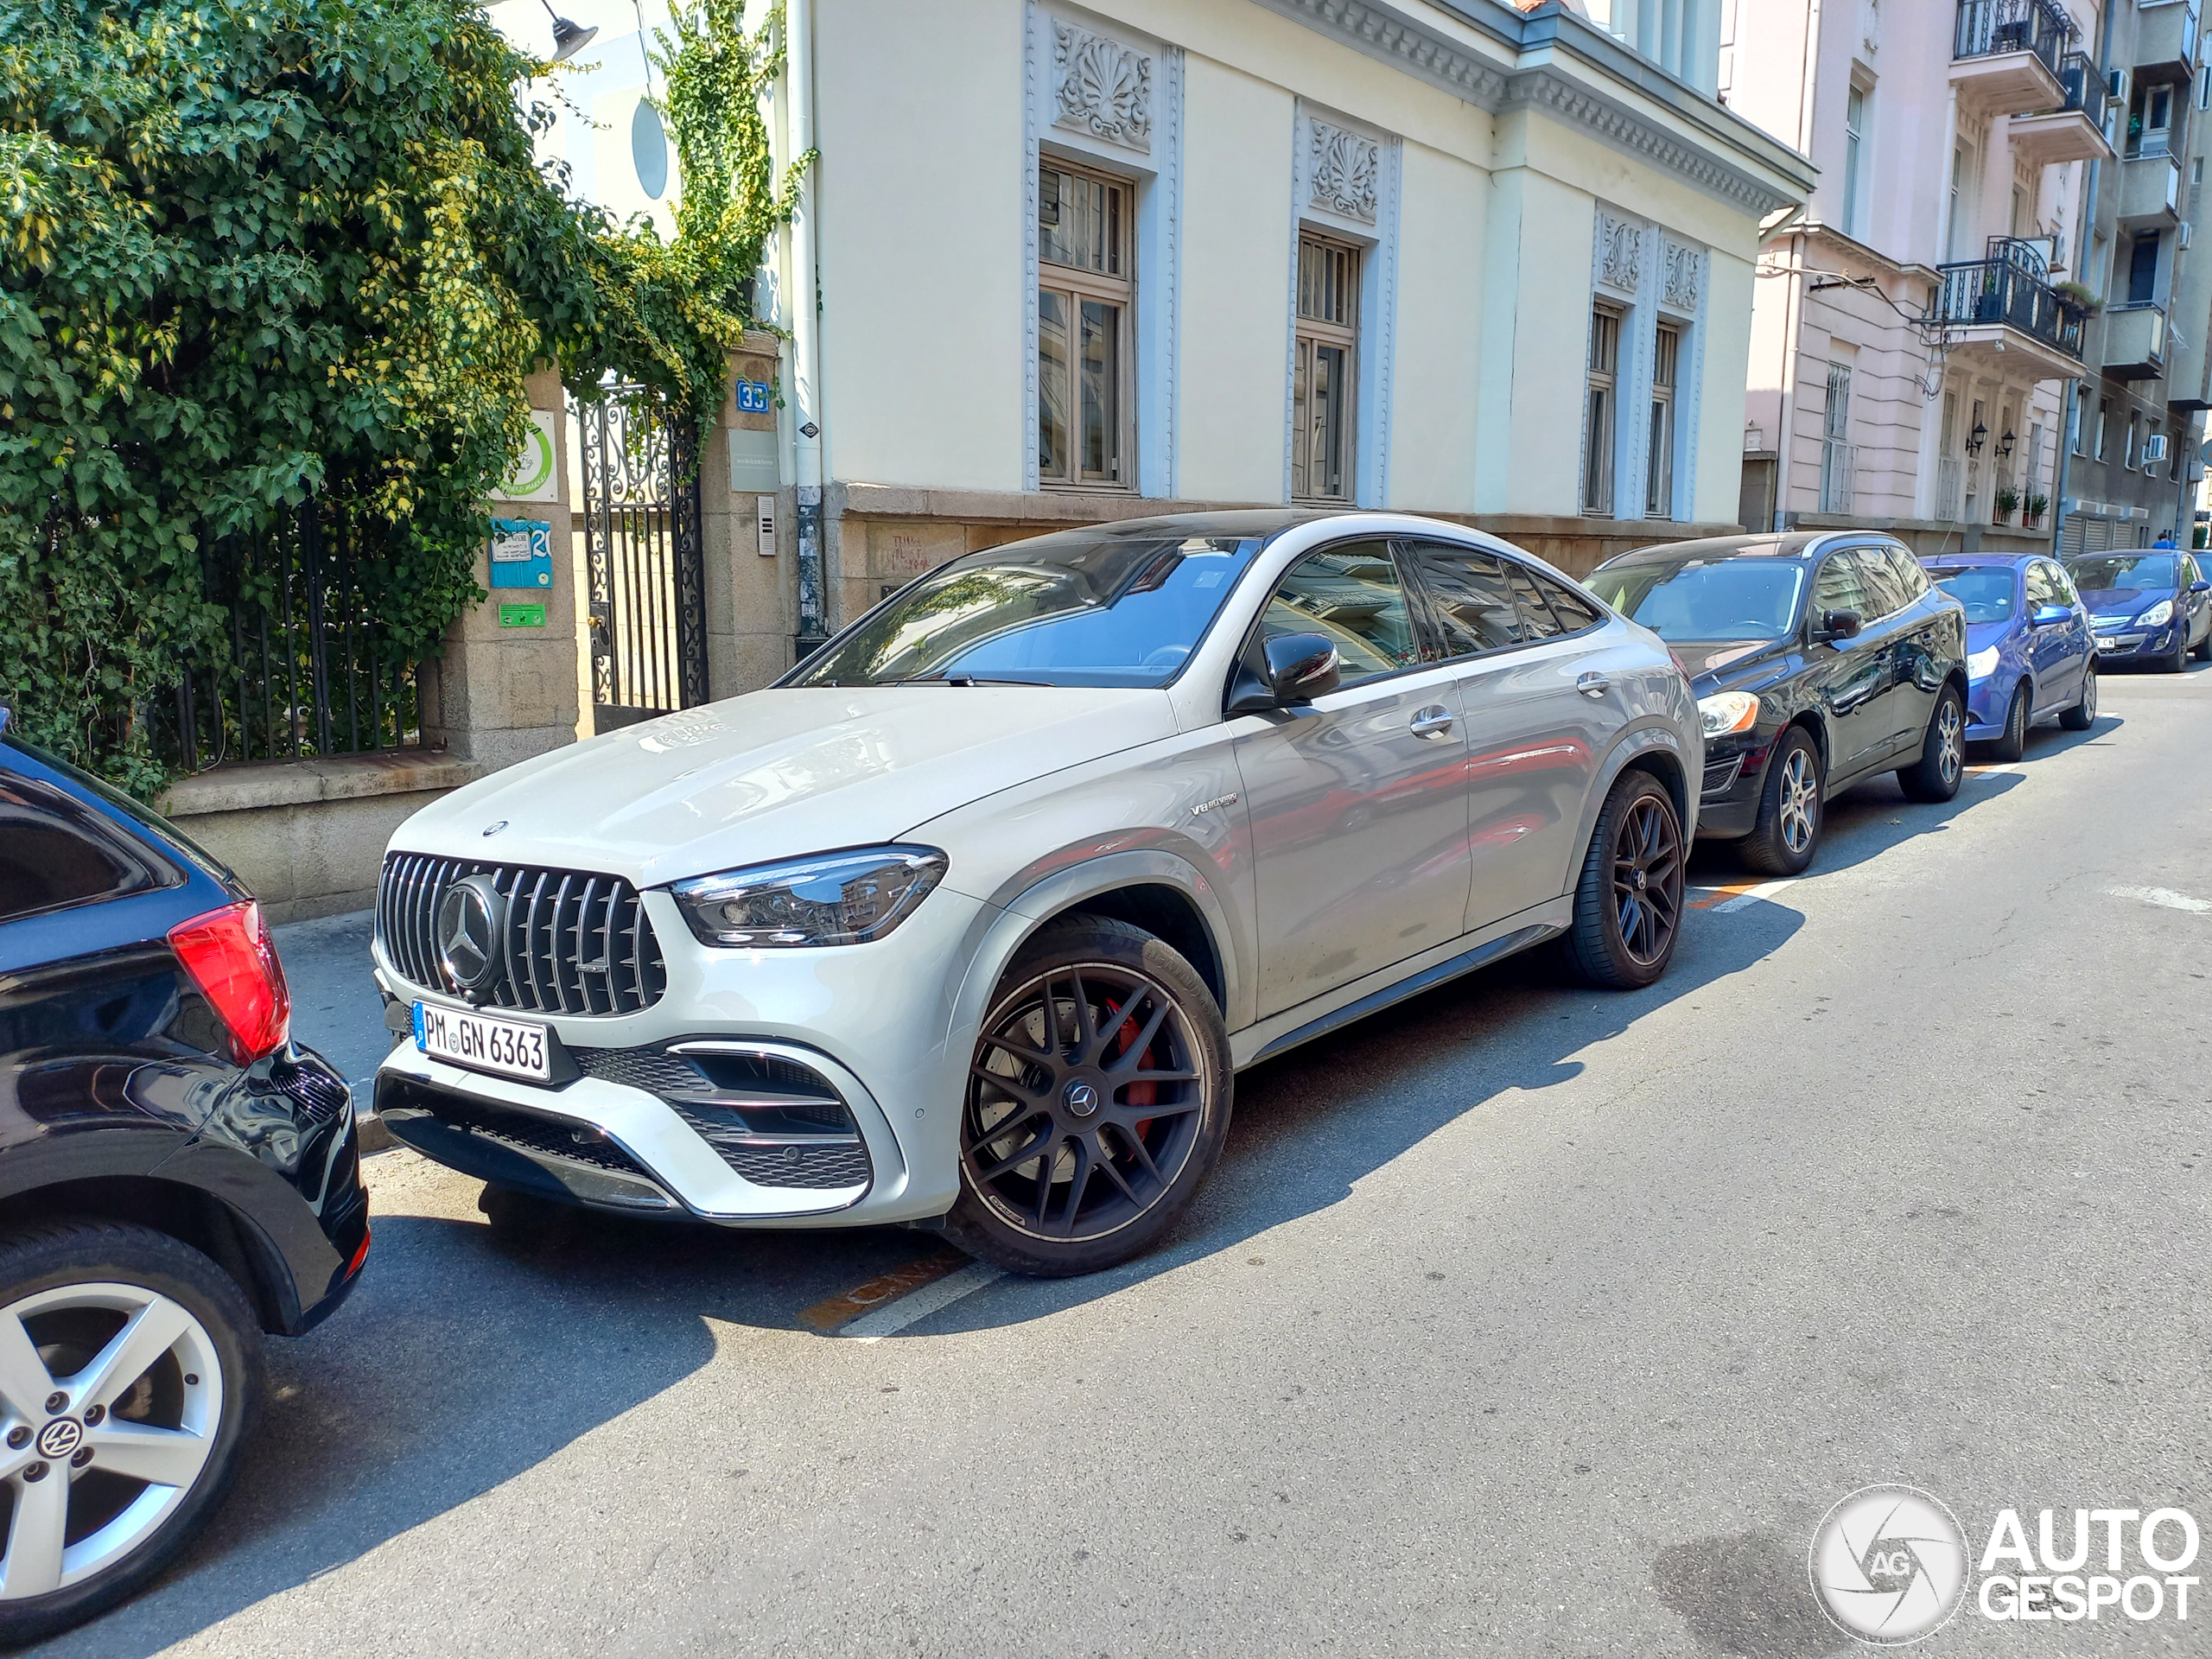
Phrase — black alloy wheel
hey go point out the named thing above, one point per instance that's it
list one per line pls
(2178, 661)
(1097, 1100)
(1628, 904)
(2013, 742)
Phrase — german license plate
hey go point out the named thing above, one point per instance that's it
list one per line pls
(513, 1048)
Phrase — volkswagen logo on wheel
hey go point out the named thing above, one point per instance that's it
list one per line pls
(1890, 1564)
(60, 1438)
(471, 917)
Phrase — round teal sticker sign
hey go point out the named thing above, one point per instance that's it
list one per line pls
(533, 472)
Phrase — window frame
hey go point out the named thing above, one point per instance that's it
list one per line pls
(1310, 335)
(1074, 285)
(1601, 436)
(1665, 409)
(1402, 548)
(1854, 151)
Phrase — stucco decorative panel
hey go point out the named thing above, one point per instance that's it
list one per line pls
(1684, 277)
(1101, 87)
(1620, 253)
(1344, 172)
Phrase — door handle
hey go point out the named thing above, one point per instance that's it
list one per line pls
(1593, 685)
(1432, 722)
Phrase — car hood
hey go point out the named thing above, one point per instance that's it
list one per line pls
(1732, 665)
(777, 773)
(2123, 602)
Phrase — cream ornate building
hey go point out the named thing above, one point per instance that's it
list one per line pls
(1059, 263)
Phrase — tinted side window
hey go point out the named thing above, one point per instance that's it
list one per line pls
(1352, 594)
(1469, 594)
(1535, 615)
(1884, 597)
(1909, 576)
(1838, 585)
(56, 852)
(1574, 612)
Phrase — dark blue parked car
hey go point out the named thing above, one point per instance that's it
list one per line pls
(2153, 607)
(2030, 651)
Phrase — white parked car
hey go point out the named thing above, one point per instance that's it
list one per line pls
(976, 914)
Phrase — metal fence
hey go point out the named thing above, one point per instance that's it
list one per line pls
(308, 672)
(1992, 28)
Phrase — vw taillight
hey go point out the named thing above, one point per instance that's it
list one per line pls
(232, 960)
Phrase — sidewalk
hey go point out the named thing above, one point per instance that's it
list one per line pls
(335, 1007)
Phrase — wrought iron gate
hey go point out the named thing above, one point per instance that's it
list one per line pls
(644, 569)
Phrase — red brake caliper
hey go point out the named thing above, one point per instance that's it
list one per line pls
(1140, 1093)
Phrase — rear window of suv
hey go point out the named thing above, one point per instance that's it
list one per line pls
(57, 853)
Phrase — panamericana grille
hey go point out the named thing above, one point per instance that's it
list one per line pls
(776, 1122)
(574, 944)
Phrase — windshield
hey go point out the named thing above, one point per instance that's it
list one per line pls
(1986, 590)
(1726, 599)
(2122, 570)
(1086, 607)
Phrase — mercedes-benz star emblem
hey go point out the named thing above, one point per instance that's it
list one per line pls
(471, 919)
(1082, 1099)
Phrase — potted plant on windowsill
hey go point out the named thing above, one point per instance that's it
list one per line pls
(2037, 505)
(2079, 295)
(2008, 503)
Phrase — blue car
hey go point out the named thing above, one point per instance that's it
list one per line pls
(2148, 607)
(2030, 651)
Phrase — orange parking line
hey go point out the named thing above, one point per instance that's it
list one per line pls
(885, 1288)
(1722, 895)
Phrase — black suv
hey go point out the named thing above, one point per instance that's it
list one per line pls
(1819, 660)
(176, 1177)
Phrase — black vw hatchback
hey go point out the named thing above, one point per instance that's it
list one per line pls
(1819, 660)
(176, 1177)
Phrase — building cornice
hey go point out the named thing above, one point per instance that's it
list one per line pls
(1736, 162)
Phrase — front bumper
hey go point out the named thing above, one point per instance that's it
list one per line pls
(873, 1023)
(1735, 773)
(2136, 644)
(1989, 700)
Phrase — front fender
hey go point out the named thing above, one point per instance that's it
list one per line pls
(1646, 737)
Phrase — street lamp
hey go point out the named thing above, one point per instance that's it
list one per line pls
(2005, 444)
(1975, 439)
(569, 38)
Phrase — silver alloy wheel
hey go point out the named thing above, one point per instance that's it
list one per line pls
(1801, 796)
(112, 1398)
(1950, 741)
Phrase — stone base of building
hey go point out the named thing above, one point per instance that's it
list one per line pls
(879, 535)
(1934, 537)
(307, 837)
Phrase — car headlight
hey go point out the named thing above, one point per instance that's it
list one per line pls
(845, 897)
(1981, 663)
(1730, 711)
(2157, 616)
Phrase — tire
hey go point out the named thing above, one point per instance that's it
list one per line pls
(2178, 663)
(2203, 652)
(70, 1286)
(1786, 832)
(1060, 1073)
(2013, 743)
(1628, 903)
(1936, 777)
(2083, 715)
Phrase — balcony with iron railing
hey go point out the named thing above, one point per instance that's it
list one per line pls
(2005, 55)
(2003, 303)
(2074, 131)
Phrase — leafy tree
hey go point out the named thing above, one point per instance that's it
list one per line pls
(254, 250)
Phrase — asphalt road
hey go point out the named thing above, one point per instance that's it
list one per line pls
(1520, 1320)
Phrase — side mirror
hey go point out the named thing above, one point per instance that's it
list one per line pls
(1837, 624)
(2050, 616)
(1299, 667)
(2200, 586)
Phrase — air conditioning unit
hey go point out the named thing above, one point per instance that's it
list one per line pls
(2154, 447)
(2116, 86)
